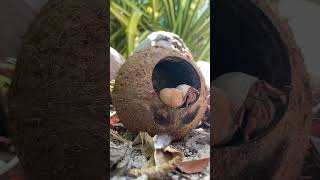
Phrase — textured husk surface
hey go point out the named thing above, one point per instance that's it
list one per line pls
(279, 154)
(136, 101)
(58, 98)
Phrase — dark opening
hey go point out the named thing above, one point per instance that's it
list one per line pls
(244, 40)
(171, 72)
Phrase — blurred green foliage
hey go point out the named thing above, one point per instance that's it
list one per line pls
(132, 20)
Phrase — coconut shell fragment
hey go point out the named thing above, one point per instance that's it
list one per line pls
(138, 99)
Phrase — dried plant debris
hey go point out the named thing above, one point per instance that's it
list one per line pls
(193, 166)
(117, 152)
(245, 106)
(156, 158)
(164, 161)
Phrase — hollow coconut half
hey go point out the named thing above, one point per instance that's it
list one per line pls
(138, 85)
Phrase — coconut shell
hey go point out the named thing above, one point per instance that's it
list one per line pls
(278, 154)
(137, 101)
(58, 97)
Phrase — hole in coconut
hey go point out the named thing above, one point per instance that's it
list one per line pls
(246, 41)
(171, 72)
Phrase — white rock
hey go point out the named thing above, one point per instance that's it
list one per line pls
(205, 70)
(161, 141)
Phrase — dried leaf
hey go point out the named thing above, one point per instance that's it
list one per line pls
(137, 141)
(117, 152)
(194, 166)
(147, 144)
(165, 160)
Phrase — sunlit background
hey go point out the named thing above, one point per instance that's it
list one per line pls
(133, 20)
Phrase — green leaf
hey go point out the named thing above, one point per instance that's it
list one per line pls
(131, 31)
(190, 19)
(4, 81)
(118, 14)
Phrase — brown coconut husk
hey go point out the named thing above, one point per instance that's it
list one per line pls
(58, 97)
(277, 154)
(137, 87)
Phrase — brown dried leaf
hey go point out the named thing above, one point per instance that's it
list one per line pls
(165, 160)
(194, 166)
(147, 144)
(117, 152)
